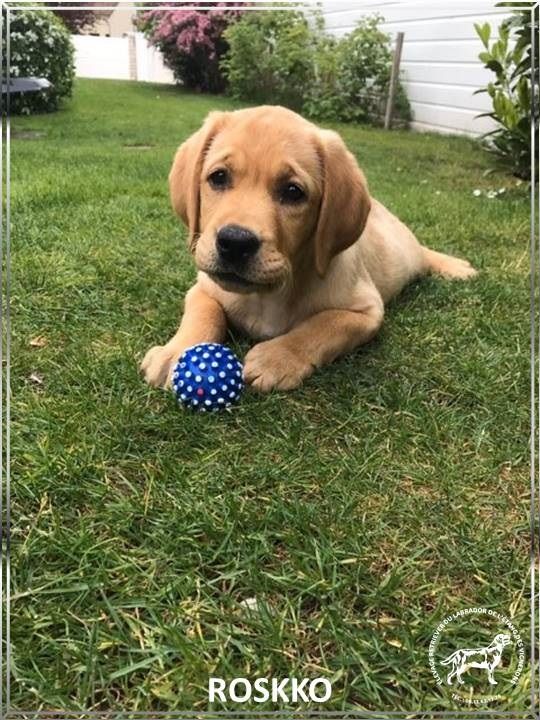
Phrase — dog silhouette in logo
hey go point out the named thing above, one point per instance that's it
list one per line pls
(487, 658)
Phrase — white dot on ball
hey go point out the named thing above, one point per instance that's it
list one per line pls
(213, 391)
(218, 355)
(202, 366)
(220, 401)
(189, 388)
(228, 404)
(175, 386)
(194, 359)
(232, 381)
(206, 356)
(211, 379)
(212, 347)
(238, 373)
(176, 374)
(224, 388)
(222, 374)
(208, 402)
(195, 402)
(232, 395)
(215, 364)
(182, 364)
(198, 378)
(180, 383)
(229, 366)
(188, 373)
(182, 396)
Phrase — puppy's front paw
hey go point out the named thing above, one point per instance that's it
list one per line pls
(274, 365)
(157, 366)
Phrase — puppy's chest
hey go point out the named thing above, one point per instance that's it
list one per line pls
(261, 317)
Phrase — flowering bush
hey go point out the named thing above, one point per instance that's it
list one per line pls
(40, 46)
(192, 42)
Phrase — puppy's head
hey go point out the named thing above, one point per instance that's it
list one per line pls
(265, 193)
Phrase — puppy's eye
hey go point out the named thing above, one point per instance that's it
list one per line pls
(219, 179)
(291, 193)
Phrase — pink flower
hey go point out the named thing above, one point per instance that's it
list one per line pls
(191, 40)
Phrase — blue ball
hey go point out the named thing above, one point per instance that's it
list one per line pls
(208, 377)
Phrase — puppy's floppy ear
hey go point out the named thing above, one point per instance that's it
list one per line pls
(345, 203)
(185, 174)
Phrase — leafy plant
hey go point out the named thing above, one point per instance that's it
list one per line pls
(270, 57)
(40, 46)
(324, 98)
(192, 41)
(286, 57)
(510, 58)
(353, 76)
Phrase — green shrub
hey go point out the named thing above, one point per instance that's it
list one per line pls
(509, 57)
(353, 77)
(270, 57)
(40, 46)
(285, 57)
(365, 68)
(324, 98)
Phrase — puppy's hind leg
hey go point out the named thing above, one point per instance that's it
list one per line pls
(447, 266)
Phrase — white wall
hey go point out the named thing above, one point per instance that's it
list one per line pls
(101, 57)
(440, 66)
(126, 58)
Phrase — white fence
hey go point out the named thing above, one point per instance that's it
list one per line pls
(440, 66)
(125, 58)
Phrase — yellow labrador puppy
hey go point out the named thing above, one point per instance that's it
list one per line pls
(289, 245)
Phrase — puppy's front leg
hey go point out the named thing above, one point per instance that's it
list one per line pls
(282, 363)
(203, 321)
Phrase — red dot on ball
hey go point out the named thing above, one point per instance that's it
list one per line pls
(200, 392)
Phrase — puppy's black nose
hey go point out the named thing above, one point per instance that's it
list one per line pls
(236, 244)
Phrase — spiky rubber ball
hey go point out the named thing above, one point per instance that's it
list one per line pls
(208, 377)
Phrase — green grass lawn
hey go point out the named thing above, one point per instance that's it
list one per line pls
(388, 492)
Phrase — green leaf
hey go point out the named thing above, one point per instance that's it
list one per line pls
(128, 669)
(524, 94)
(484, 33)
(485, 57)
(517, 54)
(496, 67)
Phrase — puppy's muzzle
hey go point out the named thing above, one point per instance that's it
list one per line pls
(236, 245)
